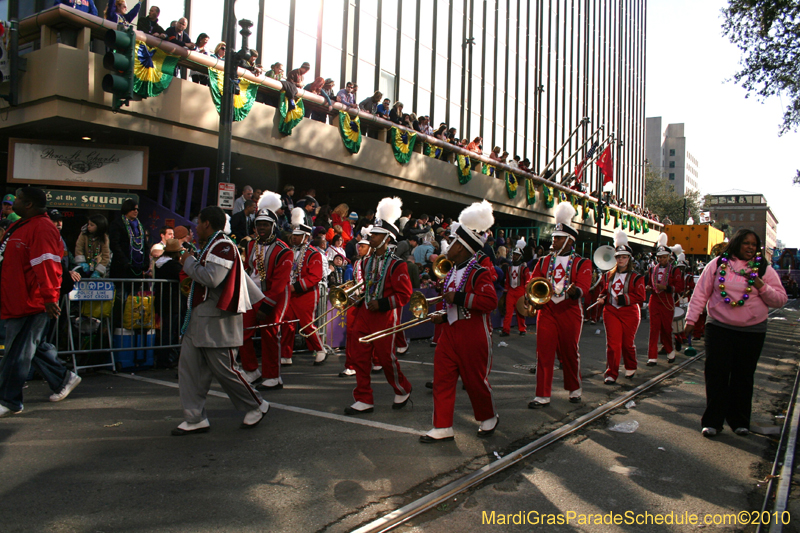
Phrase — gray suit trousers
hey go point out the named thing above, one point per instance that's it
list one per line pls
(195, 369)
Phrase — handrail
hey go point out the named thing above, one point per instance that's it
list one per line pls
(29, 29)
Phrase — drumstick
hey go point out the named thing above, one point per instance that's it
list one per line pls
(597, 302)
(275, 324)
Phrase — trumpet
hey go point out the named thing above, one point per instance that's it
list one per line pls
(342, 299)
(418, 305)
(538, 292)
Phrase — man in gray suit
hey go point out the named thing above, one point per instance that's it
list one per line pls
(221, 292)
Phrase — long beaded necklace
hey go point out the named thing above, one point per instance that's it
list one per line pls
(461, 284)
(749, 273)
(375, 286)
(568, 278)
(299, 261)
(190, 299)
(137, 243)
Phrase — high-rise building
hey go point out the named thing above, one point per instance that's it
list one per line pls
(667, 154)
(741, 209)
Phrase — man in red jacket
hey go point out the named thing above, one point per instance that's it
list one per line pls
(30, 283)
(465, 345)
(388, 287)
(269, 264)
(304, 281)
(559, 321)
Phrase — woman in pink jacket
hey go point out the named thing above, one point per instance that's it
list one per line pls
(739, 288)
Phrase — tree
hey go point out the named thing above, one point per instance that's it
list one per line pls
(768, 34)
(660, 198)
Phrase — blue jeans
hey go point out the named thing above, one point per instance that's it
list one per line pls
(24, 347)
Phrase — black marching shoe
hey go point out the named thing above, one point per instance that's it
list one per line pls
(533, 404)
(483, 433)
(429, 384)
(575, 400)
(522, 333)
(351, 412)
(399, 405)
(503, 334)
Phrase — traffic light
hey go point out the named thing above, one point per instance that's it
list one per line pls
(119, 59)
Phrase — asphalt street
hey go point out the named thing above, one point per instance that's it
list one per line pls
(104, 460)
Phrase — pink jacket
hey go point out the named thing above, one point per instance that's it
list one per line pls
(756, 308)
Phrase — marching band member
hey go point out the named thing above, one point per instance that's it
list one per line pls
(268, 260)
(623, 289)
(465, 345)
(559, 321)
(682, 266)
(306, 273)
(665, 282)
(363, 250)
(388, 287)
(517, 276)
(212, 330)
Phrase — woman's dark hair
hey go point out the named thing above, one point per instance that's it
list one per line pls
(102, 225)
(324, 216)
(128, 206)
(735, 244)
(213, 215)
(336, 237)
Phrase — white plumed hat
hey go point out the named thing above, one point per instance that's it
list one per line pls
(298, 222)
(621, 244)
(564, 215)
(520, 246)
(268, 204)
(473, 221)
(661, 245)
(386, 214)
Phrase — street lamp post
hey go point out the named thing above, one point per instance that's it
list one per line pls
(233, 61)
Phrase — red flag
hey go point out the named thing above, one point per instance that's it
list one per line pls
(579, 172)
(606, 164)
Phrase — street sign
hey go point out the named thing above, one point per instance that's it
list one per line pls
(226, 195)
(96, 291)
(60, 199)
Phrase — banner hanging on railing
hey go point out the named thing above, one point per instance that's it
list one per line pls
(242, 102)
(549, 198)
(432, 151)
(402, 144)
(290, 117)
(489, 170)
(350, 128)
(464, 169)
(530, 192)
(153, 70)
(511, 185)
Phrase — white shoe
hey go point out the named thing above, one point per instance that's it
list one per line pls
(285, 361)
(73, 382)
(5, 411)
(742, 432)
(347, 372)
(630, 373)
(252, 418)
(437, 434)
(671, 357)
(376, 369)
(577, 393)
(252, 376)
(274, 382)
(402, 350)
(187, 427)
(709, 432)
(652, 362)
(320, 357)
(488, 425)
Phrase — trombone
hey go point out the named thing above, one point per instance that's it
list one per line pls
(342, 299)
(418, 305)
(538, 292)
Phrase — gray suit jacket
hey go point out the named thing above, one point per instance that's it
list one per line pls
(209, 326)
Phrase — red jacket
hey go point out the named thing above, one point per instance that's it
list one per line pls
(486, 262)
(31, 268)
(278, 264)
(478, 296)
(396, 293)
(310, 271)
(633, 292)
(524, 276)
(674, 284)
(581, 276)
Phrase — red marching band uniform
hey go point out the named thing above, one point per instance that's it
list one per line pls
(269, 264)
(358, 277)
(306, 274)
(389, 285)
(662, 303)
(517, 276)
(623, 293)
(465, 344)
(560, 321)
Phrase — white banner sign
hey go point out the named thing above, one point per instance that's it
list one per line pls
(85, 165)
(98, 291)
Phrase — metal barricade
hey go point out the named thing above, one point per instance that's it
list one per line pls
(127, 320)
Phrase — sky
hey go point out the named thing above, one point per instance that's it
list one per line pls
(690, 65)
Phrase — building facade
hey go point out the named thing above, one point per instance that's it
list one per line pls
(667, 154)
(740, 209)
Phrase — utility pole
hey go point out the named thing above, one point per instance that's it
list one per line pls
(226, 106)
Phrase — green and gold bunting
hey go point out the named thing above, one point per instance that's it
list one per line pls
(402, 144)
(562, 197)
(290, 117)
(530, 192)
(574, 201)
(350, 128)
(645, 227)
(547, 194)
(616, 218)
(153, 70)
(489, 170)
(606, 215)
(432, 151)
(595, 211)
(511, 185)
(464, 173)
(242, 102)
(624, 221)
(585, 209)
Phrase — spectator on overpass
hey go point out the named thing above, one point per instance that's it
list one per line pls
(87, 6)
(219, 51)
(346, 97)
(117, 11)
(275, 71)
(383, 109)
(178, 35)
(199, 76)
(149, 24)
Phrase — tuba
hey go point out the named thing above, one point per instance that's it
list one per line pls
(604, 257)
(538, 292)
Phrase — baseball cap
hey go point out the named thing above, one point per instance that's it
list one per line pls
(55, 215)
(9, 199)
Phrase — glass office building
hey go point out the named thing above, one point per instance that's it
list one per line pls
(519, 73)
